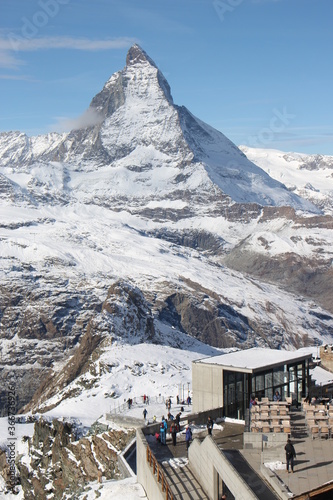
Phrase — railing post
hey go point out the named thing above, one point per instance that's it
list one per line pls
(151, 459)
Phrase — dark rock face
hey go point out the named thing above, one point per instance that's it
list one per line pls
(301, 276)
(218, 325)
(62, 463)
(124, 314)
(200, 240)
(46, 321)
(137, 55)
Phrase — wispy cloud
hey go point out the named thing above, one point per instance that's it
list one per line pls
(88, 119)
(8, 60)
(21, 44)
(25, 78)
(266, 1)
(13, 44)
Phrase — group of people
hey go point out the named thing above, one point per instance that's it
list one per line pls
(175, 428)
(168, 404)
(253, 401)
(188, 400)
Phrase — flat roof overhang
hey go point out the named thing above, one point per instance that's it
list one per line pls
(254, 360)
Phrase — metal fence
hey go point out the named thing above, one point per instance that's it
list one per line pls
(117, 407)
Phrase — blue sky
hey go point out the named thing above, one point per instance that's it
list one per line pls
(260, 71)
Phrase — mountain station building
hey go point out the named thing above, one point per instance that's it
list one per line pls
(229, 380)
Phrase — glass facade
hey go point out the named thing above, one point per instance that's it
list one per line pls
(235, 393)
(288, 379)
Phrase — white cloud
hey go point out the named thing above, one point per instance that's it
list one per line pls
(88, 119)
(12, 44)
(21, 44)
(16, 77)
(7, 60)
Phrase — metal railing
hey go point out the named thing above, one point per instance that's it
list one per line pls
(121, 407)
(160, 476)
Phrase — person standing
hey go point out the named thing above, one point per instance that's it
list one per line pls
(210, 424)
(178, 420)
(163, 430)
(173, 430)
(162, 434)
(188, 437)
(145, 413)
(290, 455)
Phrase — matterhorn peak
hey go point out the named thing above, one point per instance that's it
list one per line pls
(134, 126)
(137, 55)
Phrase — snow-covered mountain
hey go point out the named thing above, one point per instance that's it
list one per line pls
(309, 176)
(142, 148)
(149, 226)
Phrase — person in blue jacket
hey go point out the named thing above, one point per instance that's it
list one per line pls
(163, 429)
(188, 436)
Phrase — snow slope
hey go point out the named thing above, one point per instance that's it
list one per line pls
(309, 176)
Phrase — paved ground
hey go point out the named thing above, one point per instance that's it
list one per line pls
(314, 461)
(313, 465)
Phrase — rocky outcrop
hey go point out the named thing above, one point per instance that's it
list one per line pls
(61, 463)
(294, 273)
(124, 314)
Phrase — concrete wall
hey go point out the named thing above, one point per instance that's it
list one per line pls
(207, 462)
(144, 472)
(207, 385)
(263, 441)
(200, 418)
(326, 356)
(275, 482)
(122, 460)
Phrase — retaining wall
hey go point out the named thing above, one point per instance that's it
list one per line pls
(144, 472)
(207, 463)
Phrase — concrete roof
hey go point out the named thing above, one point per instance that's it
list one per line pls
(321, 376)
(255, 359)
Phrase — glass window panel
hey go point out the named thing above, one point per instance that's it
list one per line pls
(260, 383)
(269, 393)
(292, 373)
(300, 371)
(268, 380)
(278, 376)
